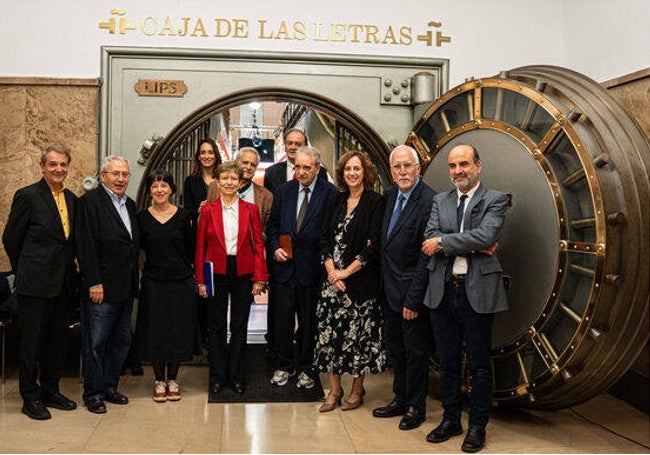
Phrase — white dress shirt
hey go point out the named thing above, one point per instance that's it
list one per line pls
(230, 226)
(460, 264)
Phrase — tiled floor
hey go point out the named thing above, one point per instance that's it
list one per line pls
(602, 425)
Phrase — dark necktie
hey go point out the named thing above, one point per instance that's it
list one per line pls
(449, 270)
(396, 213)
(303, 209)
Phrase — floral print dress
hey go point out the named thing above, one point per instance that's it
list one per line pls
(349, 333)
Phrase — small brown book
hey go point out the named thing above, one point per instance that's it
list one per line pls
(285, 244)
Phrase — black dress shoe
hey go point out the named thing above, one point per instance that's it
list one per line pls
(96, 406)
(36, 410)
(392, 409)
(444, 431)
(412, 419)
(57, 400)
(239, 387)
(216, 387)
(115, 397)
(474, 441)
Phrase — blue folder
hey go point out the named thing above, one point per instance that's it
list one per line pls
(208, 274)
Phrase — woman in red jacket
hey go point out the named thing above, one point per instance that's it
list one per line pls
(229, 246)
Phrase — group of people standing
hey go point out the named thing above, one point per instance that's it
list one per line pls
(356, 280)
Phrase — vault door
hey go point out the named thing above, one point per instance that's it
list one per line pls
(576, 237)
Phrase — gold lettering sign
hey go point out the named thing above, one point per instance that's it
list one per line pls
(285, 29)
(153, 87)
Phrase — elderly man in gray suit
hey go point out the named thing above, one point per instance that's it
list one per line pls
(465, 290)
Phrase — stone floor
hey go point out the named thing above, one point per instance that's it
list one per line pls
(602, 425)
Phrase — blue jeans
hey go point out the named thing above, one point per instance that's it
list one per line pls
(455, 321)
(106, 339)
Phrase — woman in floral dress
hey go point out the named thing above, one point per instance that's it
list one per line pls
(349, 313)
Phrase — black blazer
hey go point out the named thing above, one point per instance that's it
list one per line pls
(400, 252)
(194, 191)
(106, 252)
(40, 255)
(276, 175)
(306, 264)
(363, 239)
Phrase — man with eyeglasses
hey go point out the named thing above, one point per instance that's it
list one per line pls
(407, 324)
(107, 251)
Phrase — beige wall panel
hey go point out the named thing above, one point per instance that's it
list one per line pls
(38, 112)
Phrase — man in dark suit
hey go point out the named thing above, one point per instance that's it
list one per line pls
(465, 290)
(107, 245)
(274, 176)
(297, 216)
(38, 239)
(407, 323)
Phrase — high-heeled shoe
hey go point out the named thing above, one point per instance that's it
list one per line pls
(327, 407)
(348, 405)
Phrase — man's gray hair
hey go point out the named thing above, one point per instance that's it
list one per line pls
(58, 148)
(311, 151)
(108, 159)
(251, 150)
(416, 157)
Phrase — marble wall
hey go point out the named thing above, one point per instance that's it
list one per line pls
(35, 113)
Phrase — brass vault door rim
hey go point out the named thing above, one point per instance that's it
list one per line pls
(556, 112)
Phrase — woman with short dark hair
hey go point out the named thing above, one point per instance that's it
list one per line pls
(166, 325)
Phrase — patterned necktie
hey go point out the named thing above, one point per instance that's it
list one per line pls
(460, 210)
(396, 213)
(303, 209)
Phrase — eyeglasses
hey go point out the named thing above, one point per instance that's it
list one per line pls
(405, 166)
(118, 174)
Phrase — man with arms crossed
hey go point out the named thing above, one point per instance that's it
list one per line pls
(465, 290)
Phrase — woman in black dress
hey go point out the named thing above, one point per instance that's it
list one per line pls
(166, 326)
(349, 314)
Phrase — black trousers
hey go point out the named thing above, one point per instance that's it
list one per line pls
(43, 345)
(228, 360)
(409, 344)
(295, 349)
(455, 321)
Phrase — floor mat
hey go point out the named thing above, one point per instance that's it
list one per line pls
(259, 388)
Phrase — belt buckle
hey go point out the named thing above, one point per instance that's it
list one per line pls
(458, 280)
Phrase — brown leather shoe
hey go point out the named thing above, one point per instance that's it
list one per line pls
(327, 407)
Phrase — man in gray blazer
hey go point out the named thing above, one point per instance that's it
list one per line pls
(465, 290)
